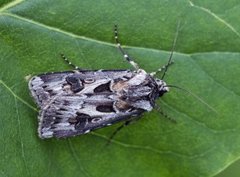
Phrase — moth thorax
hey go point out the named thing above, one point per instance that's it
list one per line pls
(162, 87)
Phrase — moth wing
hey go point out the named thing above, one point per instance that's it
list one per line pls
(44, 87)
(72, 115)
(67, 111)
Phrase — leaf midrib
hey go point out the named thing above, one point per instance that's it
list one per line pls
(73, 35)
(10, 5)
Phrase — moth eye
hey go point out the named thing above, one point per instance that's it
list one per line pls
(89, 80)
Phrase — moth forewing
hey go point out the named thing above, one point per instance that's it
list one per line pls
(110, 97)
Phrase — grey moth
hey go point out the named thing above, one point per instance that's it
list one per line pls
(79, 101)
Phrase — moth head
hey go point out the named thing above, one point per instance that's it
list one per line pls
(162, 87)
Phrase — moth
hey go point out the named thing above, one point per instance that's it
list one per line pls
(79, 101)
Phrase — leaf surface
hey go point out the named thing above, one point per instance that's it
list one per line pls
(203, 141)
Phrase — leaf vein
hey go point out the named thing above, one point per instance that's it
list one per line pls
(17, 97)
(225, 88)
(20, 137)
(154, 150)
(67, 33)
(76, 158)
(55, 29)
(216, 17)
(11, 4)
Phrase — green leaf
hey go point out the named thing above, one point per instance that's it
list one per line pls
(203, 142)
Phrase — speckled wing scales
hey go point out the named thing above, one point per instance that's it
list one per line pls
(74, 103)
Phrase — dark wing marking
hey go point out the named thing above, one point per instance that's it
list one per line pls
(70, 108)
(45, 86)
(79, 114)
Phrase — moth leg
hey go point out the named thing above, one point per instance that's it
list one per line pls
(117, 130)
(125, 55)
(69, 62)
(165, 115)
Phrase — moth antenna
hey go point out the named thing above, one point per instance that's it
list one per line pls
(195, 96)
(69, 62)
(125, 55)
(172, 50)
